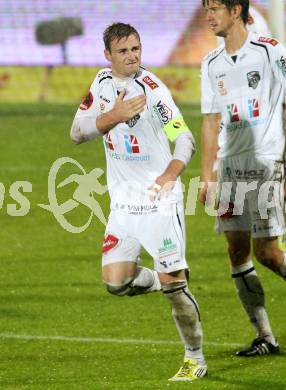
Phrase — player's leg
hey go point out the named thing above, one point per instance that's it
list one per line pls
(127, 278)
(271, 223)
(120, 270)
(165, 241)
(186, 314)
(238, 230)
(249, 288)
(269, 254)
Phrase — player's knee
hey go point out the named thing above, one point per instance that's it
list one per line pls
(238, 251)
(119, 289)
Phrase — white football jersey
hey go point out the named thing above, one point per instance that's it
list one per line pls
(248, 93)
(138, 151)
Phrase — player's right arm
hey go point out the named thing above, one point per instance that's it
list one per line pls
(121, 112)
(90, 123)
(210, 129)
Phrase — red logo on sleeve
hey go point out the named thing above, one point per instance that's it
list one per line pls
(86, 102)
(109, 243)
(150, 82)
(272, 41)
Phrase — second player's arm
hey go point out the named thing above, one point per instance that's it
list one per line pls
(209, 148)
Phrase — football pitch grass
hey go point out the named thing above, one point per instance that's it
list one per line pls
(60, 329)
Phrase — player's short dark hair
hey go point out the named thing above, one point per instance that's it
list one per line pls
(231, 3)
(118, 31)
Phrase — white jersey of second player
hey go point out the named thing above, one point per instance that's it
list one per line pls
(138, 151)
(248, 92)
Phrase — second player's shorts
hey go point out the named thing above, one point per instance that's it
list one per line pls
(162, 235)
(251, 195)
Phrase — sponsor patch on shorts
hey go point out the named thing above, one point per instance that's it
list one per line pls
(109, 242)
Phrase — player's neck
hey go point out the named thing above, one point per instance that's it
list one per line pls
(235, 39)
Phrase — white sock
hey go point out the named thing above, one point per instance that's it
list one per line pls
(186, 314)
(251, 295)
(146, 278)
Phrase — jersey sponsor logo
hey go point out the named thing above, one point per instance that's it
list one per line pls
(163, 111)
(104, 99)
(108, 142)
(142, 209)
(86, 102)
(177, 124)
(282, 65)
(233, 113)
(109, 242)
(220, 75)
(272, 41)
(168, 249)
(221, 88)
(150, 82)
(132, 122)
(253, 79)
(250, 174)
(131, 144)
(104, 73)
(253, 108)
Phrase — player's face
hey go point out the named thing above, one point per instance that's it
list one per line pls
(124, 55)
(218, 17)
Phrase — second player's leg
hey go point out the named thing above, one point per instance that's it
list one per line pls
(250, 292)
(267, 252)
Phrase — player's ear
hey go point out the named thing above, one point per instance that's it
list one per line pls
(107, 55)
(237, 10)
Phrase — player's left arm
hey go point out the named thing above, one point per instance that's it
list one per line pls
(177, 131)
(278, 60)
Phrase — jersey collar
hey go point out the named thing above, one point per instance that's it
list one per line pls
(240, 52)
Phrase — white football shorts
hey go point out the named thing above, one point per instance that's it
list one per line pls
(162, 235)
(251, 195)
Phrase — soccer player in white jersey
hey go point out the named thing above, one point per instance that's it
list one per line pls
(242, 93)
(134, 113)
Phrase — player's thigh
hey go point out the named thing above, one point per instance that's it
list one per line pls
(120, 250)
(164, 239)
(118, 272)
(172, 277)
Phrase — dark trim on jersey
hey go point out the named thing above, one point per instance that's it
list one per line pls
(215, 57)
(194, 303)
(243, 273)
(141, 85)
(103, 78)
(174, 290)
(264, 47)
(178, 218)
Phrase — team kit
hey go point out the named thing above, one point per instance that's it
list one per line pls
(243, 142)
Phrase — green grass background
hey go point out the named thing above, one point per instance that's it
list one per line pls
(50, 284)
